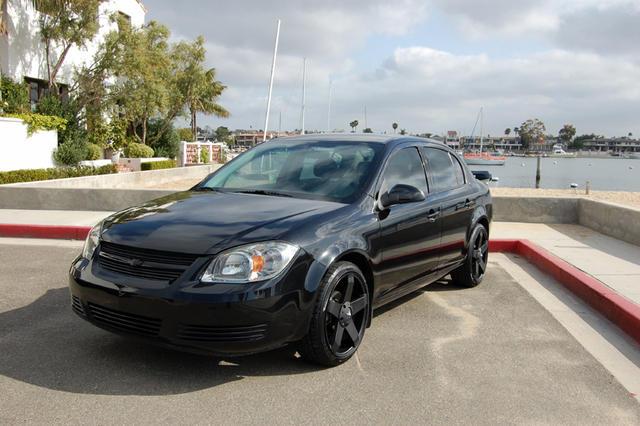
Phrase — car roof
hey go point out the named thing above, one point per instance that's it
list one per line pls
(359, 137)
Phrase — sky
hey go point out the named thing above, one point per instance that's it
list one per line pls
(428, 65)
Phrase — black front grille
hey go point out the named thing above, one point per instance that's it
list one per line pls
(203, 333)
(122, 321)
(76, 305)
(143, 263)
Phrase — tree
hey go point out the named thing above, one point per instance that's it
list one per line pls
(185, 134)
(578, 141)
(507, 131)
(567, 133)
(222, 134)
(354, 125)
(367, 130)
(630, 135)
(64, 24)
(403, 132)
(197, 87)
(394, 126)
(531, 132)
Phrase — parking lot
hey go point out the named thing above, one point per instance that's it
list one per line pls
(491, 354)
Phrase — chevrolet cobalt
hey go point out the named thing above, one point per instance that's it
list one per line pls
(295, 241)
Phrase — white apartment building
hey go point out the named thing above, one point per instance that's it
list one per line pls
(22, 54)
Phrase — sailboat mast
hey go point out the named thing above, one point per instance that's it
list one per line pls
(273, 71)
(481, 127)
(329, 109)
(304, 90)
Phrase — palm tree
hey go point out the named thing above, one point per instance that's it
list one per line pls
(507, 131)
(516, 131)
(354, 125)
(395, 127)
(204, 98)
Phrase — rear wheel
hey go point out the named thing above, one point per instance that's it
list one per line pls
(472, 271)
(339, 317)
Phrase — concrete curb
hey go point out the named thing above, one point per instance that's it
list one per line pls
(44, 231)
(619, 310)
(622, 312)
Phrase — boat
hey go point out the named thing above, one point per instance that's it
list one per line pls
(483, 158)
(561, 153)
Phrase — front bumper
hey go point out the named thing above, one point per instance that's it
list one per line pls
(221, 319)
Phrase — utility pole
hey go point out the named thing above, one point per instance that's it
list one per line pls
(365, 117)
(273, 71)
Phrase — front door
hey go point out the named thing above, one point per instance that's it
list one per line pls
(409, 233)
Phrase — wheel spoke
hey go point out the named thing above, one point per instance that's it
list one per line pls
(349, 292)
(353, 333)
(481, 264)
(358, 304)
(333, 308)
(476, 267)
(484, 247)
(337, 341)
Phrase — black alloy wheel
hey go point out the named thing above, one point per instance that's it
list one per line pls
(472, 271)
(340, 316)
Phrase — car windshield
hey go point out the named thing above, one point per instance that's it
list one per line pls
(324, 170)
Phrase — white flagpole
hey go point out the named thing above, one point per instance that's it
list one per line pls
(329, 109)
(273, 71)
(304, 90)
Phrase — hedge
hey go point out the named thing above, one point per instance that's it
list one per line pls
(157, 165)
(31, 175)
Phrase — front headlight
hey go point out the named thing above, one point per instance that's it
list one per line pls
(91, 242)
(250, 263)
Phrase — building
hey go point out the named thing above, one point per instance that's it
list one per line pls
(250, 139)
(613, 145)
(502, 143)
(22, 53)
(453, 140)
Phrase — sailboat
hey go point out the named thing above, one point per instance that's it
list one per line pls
(482, 158)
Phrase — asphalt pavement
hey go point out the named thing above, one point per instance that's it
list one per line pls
(486, 355)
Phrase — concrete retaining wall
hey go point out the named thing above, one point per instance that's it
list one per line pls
(125, 180)
(74, 198)
(610, 219)
(535, 209)
(19, 150)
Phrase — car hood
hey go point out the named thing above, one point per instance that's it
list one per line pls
(208, 222)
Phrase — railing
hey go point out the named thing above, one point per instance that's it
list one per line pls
(191, 153)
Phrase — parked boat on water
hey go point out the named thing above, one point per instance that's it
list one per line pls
(483, 158)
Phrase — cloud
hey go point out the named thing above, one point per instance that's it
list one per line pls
(429, 90)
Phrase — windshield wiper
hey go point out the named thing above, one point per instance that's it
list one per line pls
(206, 188)
(263, 192)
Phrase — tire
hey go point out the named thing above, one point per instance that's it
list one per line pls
(339, 317)
(472, 271)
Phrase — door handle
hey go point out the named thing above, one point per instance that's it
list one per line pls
(465, 205)
(433, 215)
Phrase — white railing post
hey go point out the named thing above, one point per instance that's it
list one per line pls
(210, 152)
(184, 154)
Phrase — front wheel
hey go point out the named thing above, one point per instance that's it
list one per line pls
(339, 317)
(472, 271)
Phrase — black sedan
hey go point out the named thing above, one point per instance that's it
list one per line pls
(295, 241)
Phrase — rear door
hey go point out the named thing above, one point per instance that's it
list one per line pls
(451, 192)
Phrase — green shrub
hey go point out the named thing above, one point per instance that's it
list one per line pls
(94, 152)
(71, 153)
(15, 96)
(157, 165)
(185, 134)
(138, 150)
(168, 144)
(16, 176)
(204, 155)
(37, 122)
(70, 111)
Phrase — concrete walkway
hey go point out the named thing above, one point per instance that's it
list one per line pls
(613, 262)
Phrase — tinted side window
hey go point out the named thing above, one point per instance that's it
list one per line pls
(441, 169)
(459, 170)
(405, 166)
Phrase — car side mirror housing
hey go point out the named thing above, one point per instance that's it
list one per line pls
(482, 175)
(400, 194)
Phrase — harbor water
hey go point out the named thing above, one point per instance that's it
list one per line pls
(605, 174)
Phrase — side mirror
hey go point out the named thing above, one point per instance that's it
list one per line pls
(481, 174)
(400, 194)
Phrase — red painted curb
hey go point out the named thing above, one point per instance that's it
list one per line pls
(622, 312)
(44, 231)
